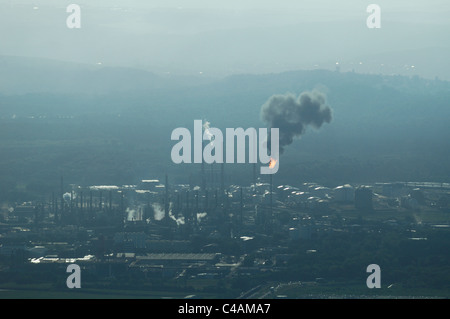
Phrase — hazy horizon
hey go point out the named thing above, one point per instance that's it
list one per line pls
(220, 39)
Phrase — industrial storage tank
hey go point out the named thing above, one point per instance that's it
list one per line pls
(344, 193)
(321, 191)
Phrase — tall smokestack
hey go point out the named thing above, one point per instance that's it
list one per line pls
(203, 176)
(241, 211)
(206, 133)
(196, 207)
(81, 214)
(254, 164)
(271, 196)
(76, 208)
(166, 197)
(178, 202)
(187, 214)
(110, 201)
(212, 174)
(54, 207)
(90, 204)
(71, 203)
(222, 179)
(292, 115)
(206, 201)
(61, 194)
(122, 207)
(148, 207)
(216, 198)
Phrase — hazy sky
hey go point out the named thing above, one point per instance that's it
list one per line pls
(233, 36)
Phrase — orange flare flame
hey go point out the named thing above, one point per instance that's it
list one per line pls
(272, 163)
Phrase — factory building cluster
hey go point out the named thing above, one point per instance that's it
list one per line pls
(153, 228)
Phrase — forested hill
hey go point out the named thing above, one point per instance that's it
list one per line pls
(113, 125)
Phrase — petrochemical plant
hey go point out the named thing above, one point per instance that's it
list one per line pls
(160, 229)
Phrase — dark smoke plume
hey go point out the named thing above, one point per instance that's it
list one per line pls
(291, 115)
